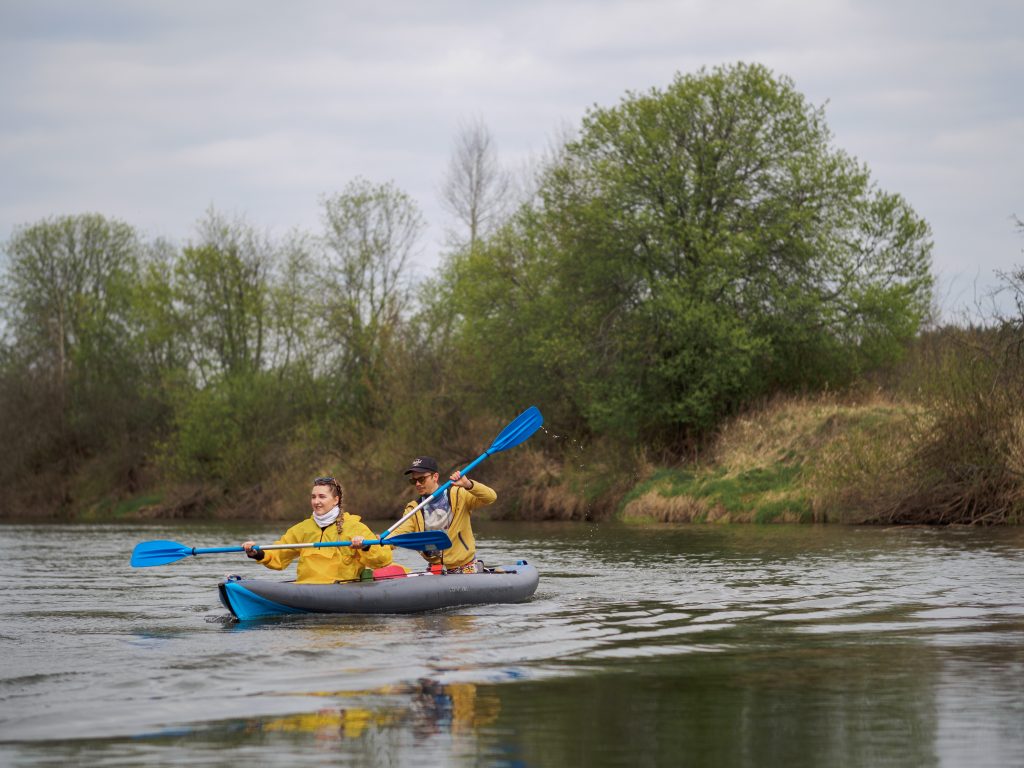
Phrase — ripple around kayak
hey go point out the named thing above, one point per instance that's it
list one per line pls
(249, 599)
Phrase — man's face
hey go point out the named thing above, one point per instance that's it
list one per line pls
(424, 482)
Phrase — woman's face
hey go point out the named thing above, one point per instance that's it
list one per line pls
(322, 499)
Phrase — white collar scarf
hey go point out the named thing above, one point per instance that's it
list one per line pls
(326, 519)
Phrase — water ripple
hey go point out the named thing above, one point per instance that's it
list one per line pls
(156, 649)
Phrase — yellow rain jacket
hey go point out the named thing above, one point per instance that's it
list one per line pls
(325, 565)
(460, 531)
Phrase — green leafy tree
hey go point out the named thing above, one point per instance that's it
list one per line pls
(233, 431)
(233, 316)
(220, 293)
(371, 233)
(694, 248)
(72, 389)
(67, 310)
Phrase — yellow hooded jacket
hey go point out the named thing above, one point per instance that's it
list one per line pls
(463, 501)
(325, 565)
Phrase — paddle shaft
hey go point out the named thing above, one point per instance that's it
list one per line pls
(147, 553)
(306, 545)
(217, 550)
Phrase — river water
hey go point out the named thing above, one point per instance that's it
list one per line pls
(644, 646)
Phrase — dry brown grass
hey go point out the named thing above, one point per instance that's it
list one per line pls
(793, 459)
(653, 505)
(540, 488)
(796, 428)
(867, 463)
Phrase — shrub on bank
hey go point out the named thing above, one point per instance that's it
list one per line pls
(965, 465)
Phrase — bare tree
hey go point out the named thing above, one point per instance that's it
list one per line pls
(476, 188)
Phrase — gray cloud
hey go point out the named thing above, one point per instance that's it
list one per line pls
(150, 112)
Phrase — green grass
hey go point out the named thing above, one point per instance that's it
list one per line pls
(130, 506)
(738, 493)
(667, 482)
(108, 509)
(768, 511)
(765, 493)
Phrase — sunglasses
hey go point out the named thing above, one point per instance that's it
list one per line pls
(415, 479)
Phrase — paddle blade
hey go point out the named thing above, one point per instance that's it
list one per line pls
(524, 425)
(422, 541)
(147, 553)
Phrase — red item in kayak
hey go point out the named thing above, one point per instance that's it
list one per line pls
(388, 572)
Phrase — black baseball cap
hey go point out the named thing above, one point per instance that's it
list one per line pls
(422, 464)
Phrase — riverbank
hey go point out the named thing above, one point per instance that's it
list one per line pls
(853, 459)
(872, 459)
(795, 460)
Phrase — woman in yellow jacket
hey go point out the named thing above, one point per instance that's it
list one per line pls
(325, 565)
(449, 511)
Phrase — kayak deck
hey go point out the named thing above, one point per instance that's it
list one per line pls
(249, 599)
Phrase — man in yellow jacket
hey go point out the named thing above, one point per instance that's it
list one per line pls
(448, 511)
(325, 565)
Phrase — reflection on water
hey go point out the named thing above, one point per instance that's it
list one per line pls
(643, 646)
(424, 710)
(385, 726)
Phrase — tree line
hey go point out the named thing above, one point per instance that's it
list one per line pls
(686, 252)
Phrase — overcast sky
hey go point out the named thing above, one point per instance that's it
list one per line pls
(151, 112)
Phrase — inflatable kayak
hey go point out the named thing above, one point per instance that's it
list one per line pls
(249, 599)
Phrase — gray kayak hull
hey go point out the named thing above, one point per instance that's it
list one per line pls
(249, 599)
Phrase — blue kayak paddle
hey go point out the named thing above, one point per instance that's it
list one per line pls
(149, 553)
(520, 428)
